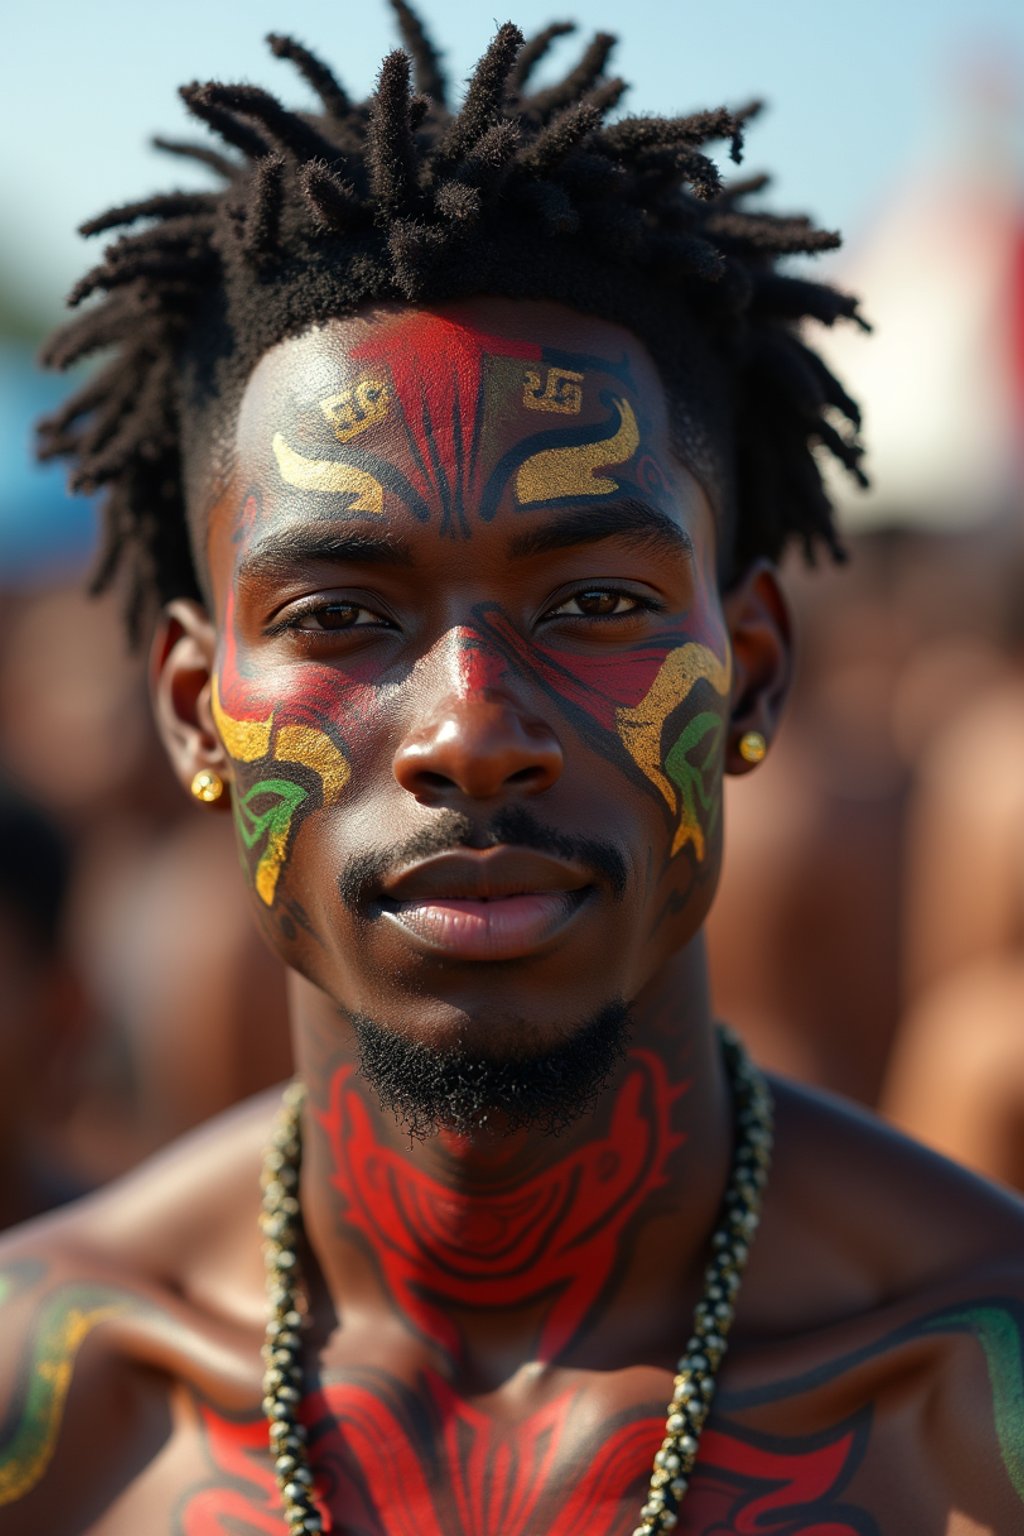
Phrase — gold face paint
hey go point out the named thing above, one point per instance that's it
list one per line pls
(244, 740)
(356, 408)
(640, 729)
(562, 392)
(328, 476)
(305, 744)
(265, 811)
(555, 473)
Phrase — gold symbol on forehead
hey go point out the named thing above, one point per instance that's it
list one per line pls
(557, 472)
(357, 407)
(562, 391)
(328, 475)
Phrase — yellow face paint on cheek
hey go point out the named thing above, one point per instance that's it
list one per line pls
(314, 749)
(571, 471)
(681, 779)
(244, 740)
(265, 811)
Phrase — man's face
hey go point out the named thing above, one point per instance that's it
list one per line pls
(472, 674)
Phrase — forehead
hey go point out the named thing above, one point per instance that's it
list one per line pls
(442, 352)
(455, 415)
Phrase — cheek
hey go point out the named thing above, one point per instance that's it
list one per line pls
(663, 709)
(289, 746)
(675, 735)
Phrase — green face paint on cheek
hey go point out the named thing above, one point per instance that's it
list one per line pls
(266, 809)
(685, 773)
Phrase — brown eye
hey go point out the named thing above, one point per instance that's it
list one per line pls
(599, 604)
(332, 616)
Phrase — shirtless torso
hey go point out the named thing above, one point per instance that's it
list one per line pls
(475, 645)
(873, 1383)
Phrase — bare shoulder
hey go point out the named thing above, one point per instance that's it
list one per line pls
(109, 1306)
(886, 1309)
(894, 1217)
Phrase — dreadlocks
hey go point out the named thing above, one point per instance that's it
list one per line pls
(518, 193)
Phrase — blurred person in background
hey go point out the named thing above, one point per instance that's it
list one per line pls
(455, 450)
(75, 724)
(42, 1018)
(854, 832)
(957, 1075)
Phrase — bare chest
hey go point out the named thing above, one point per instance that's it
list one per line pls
(394, 1458)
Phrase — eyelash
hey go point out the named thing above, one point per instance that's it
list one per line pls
(640, 604)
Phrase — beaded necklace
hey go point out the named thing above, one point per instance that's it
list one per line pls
(696, 1370)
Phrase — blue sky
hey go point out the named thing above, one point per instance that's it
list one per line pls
(857, 93)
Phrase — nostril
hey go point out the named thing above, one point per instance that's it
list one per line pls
(478, 747)
(431, 780)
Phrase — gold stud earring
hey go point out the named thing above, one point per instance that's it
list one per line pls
(207, 786)
(753, 746)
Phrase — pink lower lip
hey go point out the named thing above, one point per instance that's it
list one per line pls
(501, 929)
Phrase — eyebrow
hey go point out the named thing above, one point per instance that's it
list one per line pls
(277, 554)
(627, 519)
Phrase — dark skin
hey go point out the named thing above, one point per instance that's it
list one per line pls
(439, 619)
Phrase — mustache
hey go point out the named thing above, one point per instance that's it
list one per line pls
(513, 826)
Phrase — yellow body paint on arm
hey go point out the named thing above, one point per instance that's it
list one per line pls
(67, 1320)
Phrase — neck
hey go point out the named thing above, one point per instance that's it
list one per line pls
(543, 1242)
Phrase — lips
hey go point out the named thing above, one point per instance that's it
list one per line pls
(499, 904)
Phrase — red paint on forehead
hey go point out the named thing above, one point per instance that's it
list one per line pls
(437, 372)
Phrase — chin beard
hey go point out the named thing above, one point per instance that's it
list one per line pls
(455, 1088)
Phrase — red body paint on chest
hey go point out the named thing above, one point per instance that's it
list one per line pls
(446, 1469)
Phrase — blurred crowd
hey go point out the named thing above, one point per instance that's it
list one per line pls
(869, 932)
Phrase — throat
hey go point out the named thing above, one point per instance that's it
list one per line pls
(535, 1239)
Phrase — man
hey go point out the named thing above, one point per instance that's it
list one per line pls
(488, 427)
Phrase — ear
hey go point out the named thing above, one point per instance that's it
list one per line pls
(181, 662)
(758, 618)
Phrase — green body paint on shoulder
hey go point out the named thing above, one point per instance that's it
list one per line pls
(29, 1439)
(999, 1335)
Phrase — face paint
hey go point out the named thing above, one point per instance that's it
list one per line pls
(355, 409)
(562, 391)
(632, 696)
(683, 782)
(448, 385)
(265, 809)
(329, 476)
(557, 474)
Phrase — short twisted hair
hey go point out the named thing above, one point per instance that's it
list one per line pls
(520, 193)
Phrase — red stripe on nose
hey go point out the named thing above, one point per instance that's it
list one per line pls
(479, 666)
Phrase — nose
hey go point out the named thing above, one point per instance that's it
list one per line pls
(478, 746)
